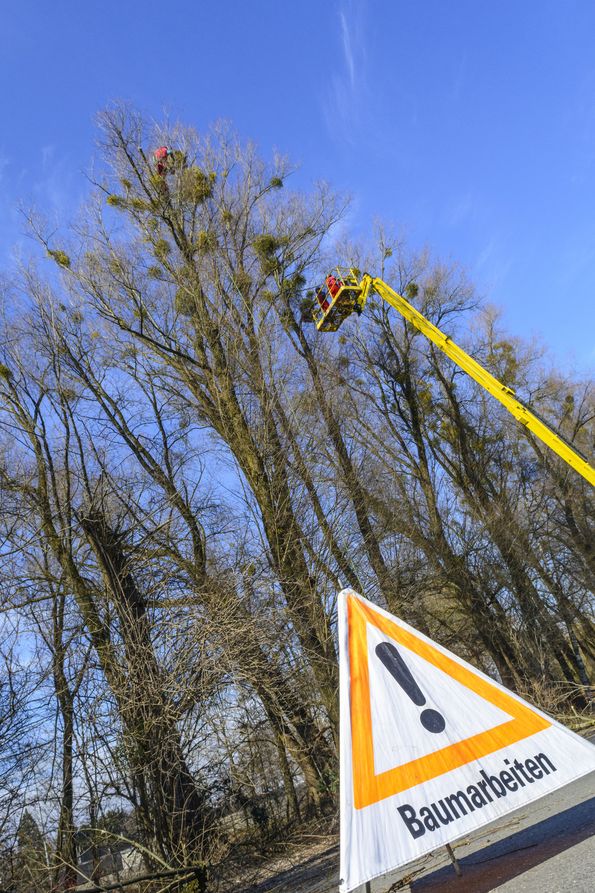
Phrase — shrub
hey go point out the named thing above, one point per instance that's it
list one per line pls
(265, 244)
(158, 183)
(60, 257)
(196, 186)
(116, 201)
(184, 302)
(265, 247)
(243, 282)
(139, 204)
(161, 249)
(411, 291)
(206, 241)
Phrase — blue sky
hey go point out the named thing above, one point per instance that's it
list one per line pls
(470, 126)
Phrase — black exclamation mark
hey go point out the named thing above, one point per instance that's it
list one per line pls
(396, 666)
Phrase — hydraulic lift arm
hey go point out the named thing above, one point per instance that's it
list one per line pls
(358, 292)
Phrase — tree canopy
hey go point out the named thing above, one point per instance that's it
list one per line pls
(189, 473)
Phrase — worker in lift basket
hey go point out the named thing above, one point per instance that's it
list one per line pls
(322, 298)
(333, 284)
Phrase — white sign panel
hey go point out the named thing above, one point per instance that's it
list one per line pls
(431, 748)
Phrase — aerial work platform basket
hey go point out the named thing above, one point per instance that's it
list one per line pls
(345, 291)
(335, 300)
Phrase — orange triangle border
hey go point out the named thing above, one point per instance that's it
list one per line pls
(369, 787)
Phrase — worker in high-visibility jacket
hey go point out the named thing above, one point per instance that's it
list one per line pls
(333, 284)
(162, 156)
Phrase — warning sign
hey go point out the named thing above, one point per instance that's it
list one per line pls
(431, 748)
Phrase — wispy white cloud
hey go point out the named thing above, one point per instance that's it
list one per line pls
(493, 264)
(486, 254)
(48, 184)
(347, 47)
(344, 102)
(340, 232)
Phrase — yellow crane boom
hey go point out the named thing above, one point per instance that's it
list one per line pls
(347, 292)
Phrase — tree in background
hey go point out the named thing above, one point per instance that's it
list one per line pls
(189, 472)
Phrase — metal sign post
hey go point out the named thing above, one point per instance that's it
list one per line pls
(454, 860)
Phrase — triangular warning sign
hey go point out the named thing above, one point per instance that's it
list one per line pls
(369, 785)
(431, 748)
